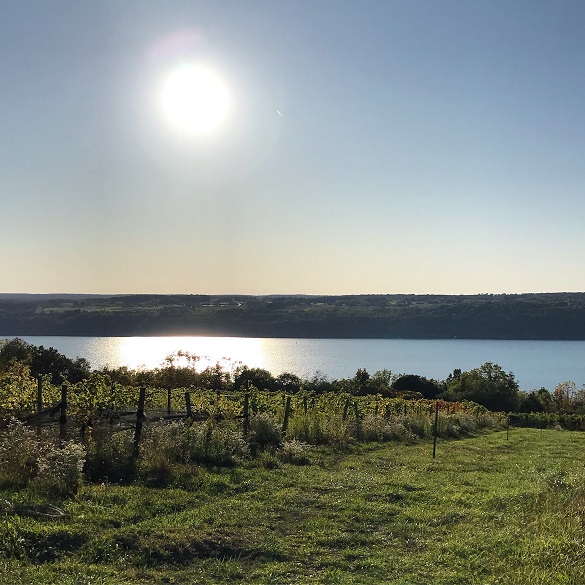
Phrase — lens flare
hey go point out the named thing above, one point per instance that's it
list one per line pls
(195, 99)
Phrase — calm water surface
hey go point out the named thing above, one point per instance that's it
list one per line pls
(534, 363)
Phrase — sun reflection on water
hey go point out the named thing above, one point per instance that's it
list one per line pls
(150, 352)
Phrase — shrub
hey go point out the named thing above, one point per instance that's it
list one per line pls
(418, 424)
(377, 428)
(269, 460)
(156, 469)
(19, 453)
(308, 428)
(465, 422)
(18, 388)
(213, 443)
(36, 461)
(294, 451)
(264, 431)
(209, 443)
(487, 420)
(59, 470)
(319, 428)
(109, 457)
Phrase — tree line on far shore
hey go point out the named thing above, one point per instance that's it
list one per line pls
(488, 384)
(484, 316)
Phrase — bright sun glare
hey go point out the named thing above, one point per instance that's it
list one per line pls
(195, 99)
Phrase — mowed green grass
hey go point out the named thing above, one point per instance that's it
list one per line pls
(486, 511)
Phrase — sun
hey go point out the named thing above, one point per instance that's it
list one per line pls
(195, 100)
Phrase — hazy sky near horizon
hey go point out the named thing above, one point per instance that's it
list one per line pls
(391, 146)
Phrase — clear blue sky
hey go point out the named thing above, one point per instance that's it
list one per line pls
(415, 146)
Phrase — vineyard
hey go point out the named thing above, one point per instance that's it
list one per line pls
(127, 432)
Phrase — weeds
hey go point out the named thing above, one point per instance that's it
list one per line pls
(109, 457)
(18, 455)
(28, 459)
(294, 452)
(265, 431)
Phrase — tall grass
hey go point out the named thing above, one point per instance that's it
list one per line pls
(30, 459)
(319, 428)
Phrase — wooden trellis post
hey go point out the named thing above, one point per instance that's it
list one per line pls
(63, 415)
(345, 409)
(39, 394)
(139, 422)
(436, 429)
(246, 414)
(188, 404)
(286, 416)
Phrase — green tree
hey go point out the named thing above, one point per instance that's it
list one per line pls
(488, 385)
(59, 367)
(288, 382)
(536, 401)
(579, 401)
(412, 383)
(545, 398)
(382, 381)
(361, 382)
(43, 361)
(563, 396)
(320, 383)
(14, 350)
(258, 377)
(216, 378)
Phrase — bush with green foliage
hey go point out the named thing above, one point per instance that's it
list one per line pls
(257, 377)
(265, 431)
(487, 385)
(109, 456)
(379, 428)
(548, 420)
(207, 443)
(295, 452)
(59, 469)
(28, 459)
(18, 455)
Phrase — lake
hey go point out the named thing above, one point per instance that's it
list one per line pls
(534, 363)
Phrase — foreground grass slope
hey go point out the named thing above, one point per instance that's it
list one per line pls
(486, 511)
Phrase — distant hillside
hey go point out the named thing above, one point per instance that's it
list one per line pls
(44, 296)
(523, 316)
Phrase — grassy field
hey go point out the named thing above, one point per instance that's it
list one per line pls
(486, 511)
